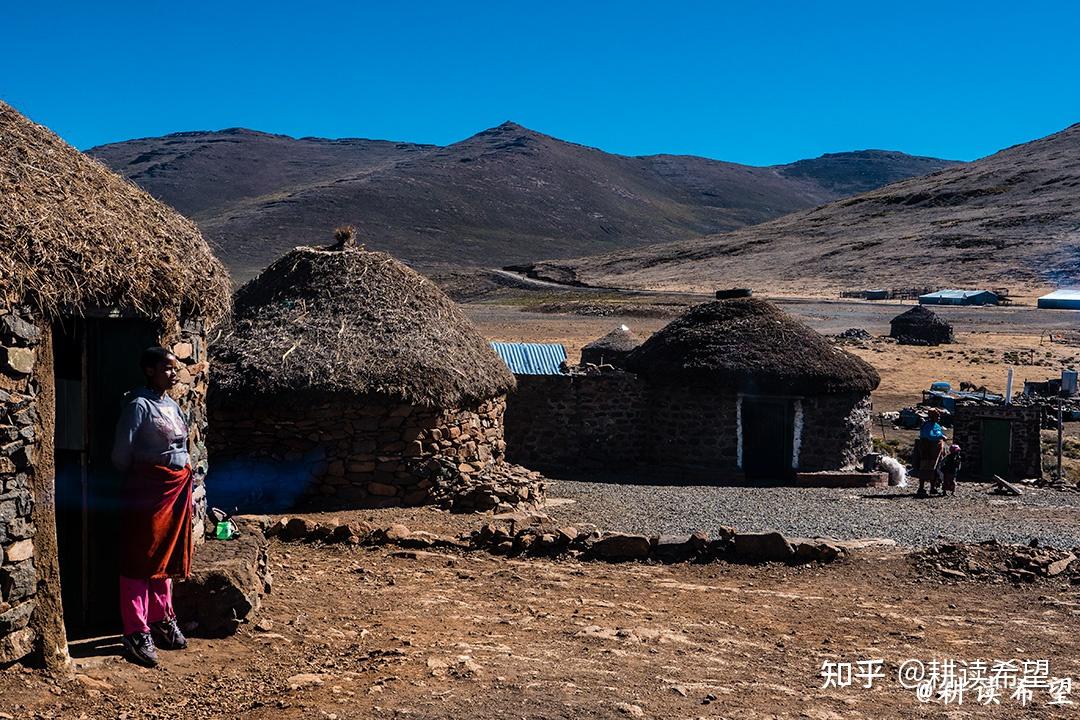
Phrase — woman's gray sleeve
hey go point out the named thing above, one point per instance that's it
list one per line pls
(126, 429)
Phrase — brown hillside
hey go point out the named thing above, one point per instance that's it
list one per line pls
(1008, 219)
(506, 195)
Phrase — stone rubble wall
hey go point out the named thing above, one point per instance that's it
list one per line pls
(355, 452)
(187, 340)
(1026, 452)
(618, 421)
(20, 336)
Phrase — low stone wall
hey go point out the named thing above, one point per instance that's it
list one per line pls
(357, 452)
(617, 421)
(1026, 452)
(19, 339)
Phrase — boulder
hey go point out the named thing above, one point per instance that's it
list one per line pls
(227, 582)
(763, 547)
(296, 529)
(621, 546)
(675, 548)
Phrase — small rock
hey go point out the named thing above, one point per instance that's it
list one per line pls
(305, 680)
(950, 573)
(296, 529)
(631, 710)
(264, 625)
(1059, 566)
(620, 546)
(396, 533)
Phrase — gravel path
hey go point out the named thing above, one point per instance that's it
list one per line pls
(973, 515)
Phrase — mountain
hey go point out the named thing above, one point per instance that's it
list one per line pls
(505, 195)
(1012, 218)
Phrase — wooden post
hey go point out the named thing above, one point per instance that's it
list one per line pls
(1061, 430)
(48, 616)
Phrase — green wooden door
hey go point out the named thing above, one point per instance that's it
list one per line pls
(996, 448)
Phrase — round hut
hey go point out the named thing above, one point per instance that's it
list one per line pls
(921, 326)
(738, 385)
(92, 271)
(611, 349)
(343, 374)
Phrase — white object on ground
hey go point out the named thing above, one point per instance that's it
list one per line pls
(897, 473)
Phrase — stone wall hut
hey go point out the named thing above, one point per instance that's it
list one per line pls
(611, 349)
(732, 389)
(746, 386)
(345, 375)
(92, 271)
(921, 326)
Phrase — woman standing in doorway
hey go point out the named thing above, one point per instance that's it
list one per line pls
(155, 515)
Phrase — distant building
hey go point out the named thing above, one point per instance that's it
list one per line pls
(920, 326)
(1064, 299)
(611, 349)
(959, 297)
(531, 358)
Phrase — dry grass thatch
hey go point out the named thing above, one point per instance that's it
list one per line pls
(73, 234)
(921, 325)
(612, 348)
(357, 322)
(751, 346)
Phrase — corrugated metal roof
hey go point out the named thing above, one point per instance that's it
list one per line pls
(531, 358)
(961, 294)
(1063, 294)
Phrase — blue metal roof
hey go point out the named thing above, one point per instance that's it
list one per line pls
(531, 358)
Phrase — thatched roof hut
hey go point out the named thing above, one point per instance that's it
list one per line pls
(750, 345)
(612, 348)
(921, 326)
(349, 321)
(73, 234)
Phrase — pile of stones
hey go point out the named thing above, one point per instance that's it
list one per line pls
(500, 486)
(998, 562)
(535, 536)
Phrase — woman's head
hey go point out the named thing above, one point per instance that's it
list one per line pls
(159, 367)
(933, 415)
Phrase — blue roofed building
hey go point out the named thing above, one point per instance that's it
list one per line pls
(960, 297)
(531, 358)
(1063, 299)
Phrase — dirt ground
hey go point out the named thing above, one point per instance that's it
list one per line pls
(352, 632)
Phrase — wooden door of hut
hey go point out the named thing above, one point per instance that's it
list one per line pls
(996, 448)
(96, 361)
(768, 434)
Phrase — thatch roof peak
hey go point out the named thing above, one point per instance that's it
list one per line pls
(752, 346)
(621, 339)
(73, 234)
(358, 322)
(920, 314)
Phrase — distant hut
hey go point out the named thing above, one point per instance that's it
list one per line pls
(739, 385)
(611, 349)
(92, 271)
(342, 371)
(921, 326)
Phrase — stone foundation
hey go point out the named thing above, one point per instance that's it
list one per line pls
(617, 421)
(354, 452)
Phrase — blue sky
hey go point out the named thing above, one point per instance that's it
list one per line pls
(757, 82)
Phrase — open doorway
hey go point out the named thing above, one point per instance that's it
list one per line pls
(768, 433)
(96, 361)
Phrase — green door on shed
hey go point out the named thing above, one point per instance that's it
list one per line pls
(996, 448)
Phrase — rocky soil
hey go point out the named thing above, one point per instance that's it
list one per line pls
(356, 632)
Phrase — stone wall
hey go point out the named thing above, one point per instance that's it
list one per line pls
(187, 341)
(617, 421)
(1026, 450)
(354, 452)
(19, 339)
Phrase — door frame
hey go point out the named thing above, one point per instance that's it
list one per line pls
(796, 407)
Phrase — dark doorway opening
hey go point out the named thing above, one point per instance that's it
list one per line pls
(96, 363)
(768, 433)
(996, 448)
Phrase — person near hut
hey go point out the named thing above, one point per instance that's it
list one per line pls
(156, 511)
(950, 468)
(929, 449)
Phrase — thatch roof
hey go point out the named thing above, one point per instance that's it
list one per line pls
(74, 234)
(920, 326)
(356, 322)
(752, 346)
(621, 339)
